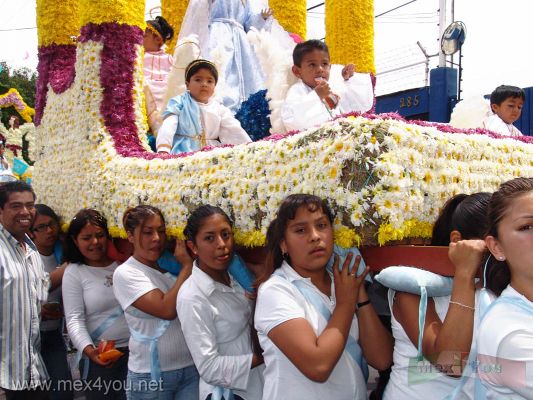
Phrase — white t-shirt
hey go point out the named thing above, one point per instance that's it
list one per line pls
(303, 108)
(50, 264)
(216, 321)
(279, 301)
(89, 300)
(133, 280)
(505, 350)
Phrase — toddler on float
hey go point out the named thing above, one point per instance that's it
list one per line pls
(194, 119)
(157, 65)
(315, 99)
(506, 103)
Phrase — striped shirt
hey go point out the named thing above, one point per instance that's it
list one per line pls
(23, 289)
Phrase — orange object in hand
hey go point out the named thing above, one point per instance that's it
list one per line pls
(105, 345)
(110, 355)
(108, 352)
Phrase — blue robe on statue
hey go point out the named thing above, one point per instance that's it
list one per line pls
(227, 23)
(188, 131)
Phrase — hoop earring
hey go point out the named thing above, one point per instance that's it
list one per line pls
(285, 256)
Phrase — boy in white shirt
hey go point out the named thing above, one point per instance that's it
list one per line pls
(506, 103)
(315, 99)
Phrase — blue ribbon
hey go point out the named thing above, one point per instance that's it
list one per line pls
(117, 312)
(237, 269)
(220, 393)
(155, 367)
(422, 308)
(352, 347)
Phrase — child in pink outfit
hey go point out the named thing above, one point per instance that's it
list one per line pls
(157, 64)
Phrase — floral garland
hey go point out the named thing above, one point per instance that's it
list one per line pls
(129, 12)
(49, 12)
(121, 44)
(56, 67)
(13, 98)
(14, 139)
(292, 15)
(350, 33)
(174, 11)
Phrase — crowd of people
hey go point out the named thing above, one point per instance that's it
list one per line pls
(303, 332)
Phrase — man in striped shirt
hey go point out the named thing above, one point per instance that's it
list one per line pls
(24, 288)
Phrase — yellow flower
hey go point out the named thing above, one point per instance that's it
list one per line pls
(291, 15)
(250, 239)
(174, 11)
(115, 231)
(176, 232)
(49, 12)
(346, 237)
(130, 12)
(350, 33)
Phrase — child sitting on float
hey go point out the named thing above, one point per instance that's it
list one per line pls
(157, 65)
(506, 103)
(315, 99)
(195, 119)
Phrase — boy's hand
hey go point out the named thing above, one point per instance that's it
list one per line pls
(348, 71)
(266, 13)
(322, 88)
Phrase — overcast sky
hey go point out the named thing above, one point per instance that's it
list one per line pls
(497, 47)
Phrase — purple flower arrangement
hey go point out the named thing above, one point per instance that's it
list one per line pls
(57, 67)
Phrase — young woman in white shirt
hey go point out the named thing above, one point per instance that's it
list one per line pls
(91, 310)
(45, 234)
(216, 314)
(450, 321)
(305, 316)
(160, 364)
(505, 339)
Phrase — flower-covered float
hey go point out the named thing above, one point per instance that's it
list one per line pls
(386, 178)
(19, 139)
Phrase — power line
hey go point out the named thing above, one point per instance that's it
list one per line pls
(395, 8)
(17, 29)
(315, 6)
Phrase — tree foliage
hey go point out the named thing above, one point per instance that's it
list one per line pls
(22, 79)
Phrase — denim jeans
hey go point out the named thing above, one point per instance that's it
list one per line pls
(54, 353)
(179, 384)
(106, 383)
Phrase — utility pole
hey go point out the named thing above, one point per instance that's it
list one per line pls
(442, 28)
